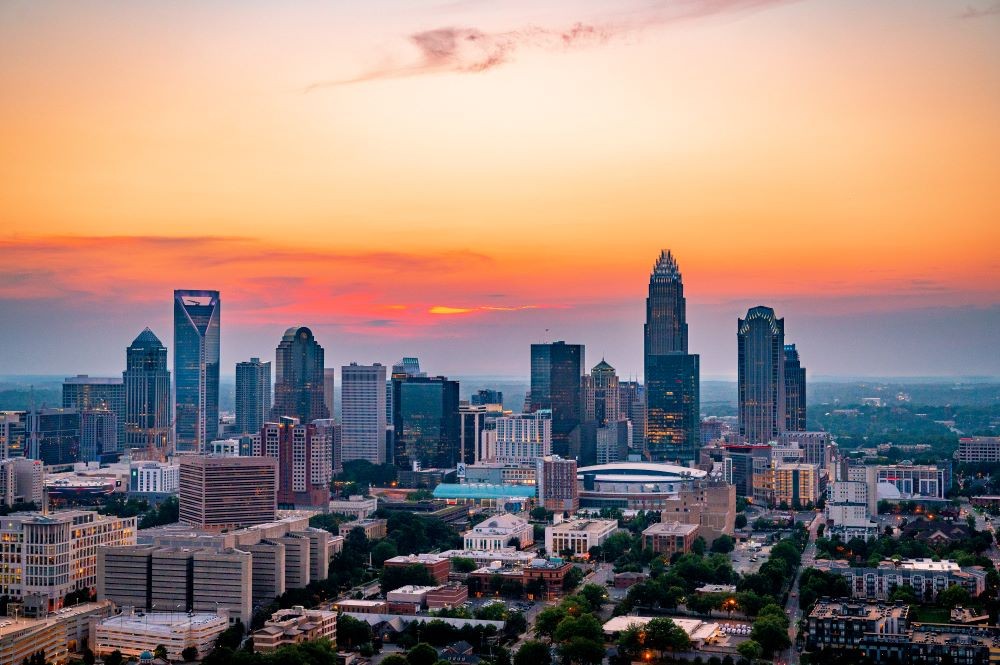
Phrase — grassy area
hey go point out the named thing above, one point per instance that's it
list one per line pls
(929, 614)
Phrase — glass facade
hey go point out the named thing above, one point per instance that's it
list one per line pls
(147, 394)
(795, 391)
(196, 369)
(427, 426)
(299, 380)
(557, 384)
(671, 374)
(761, 370)
(253, 395)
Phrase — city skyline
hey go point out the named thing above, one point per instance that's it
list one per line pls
(871, 220)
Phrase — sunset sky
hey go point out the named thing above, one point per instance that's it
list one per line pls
(458, 179)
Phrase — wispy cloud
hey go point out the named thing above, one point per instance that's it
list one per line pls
(445, 310)
(472, 50)
(981, 12)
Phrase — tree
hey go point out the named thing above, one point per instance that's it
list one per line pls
(585, 626)
(384, 549)
(595, 595)
(664, 635)
(422, 654)
(160, 651)
(723, 544)
(751, 650)
(698, 546)
(516, 624)
(116, 658)
(953, 596)
(463, 564)
(352, 633)
(741, 520)
(770, 632)
(539, 514)
(492, 612)
(395, 659)
(231, 637)
(582, 651)
(189, 654)
(88, 656)
(533, 652)
(573, 578)
(548, 620)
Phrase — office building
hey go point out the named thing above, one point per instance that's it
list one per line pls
(50, 555)
(612, 442)
(219, 493)
(183, 579)
(632, 403)
(86, 393)
(147, 417)
(542, 579)
(710, 504)
(133, 634)
(795, 391)
(13, 434)
(294, 626)
(196, 369)
(521, 439)
(54, 436)
(913, 481)
(606, 398)
(486, 396)
(761, 375)
(557, 385)
(668, 538)
(500, 532)
(979, 449)
(21, 481)
(298, 379)
(437, 566)
(363, 412)
(576, 536)
(253, 395)
(374, 529)
(330, 430)
(98, 435)
(329, 389)
(671, 374)
(816, 447)
(305, 464)
(355, 506)
(925, 577)
(556, 484)
(157, 478)
(796, 485)
(426, 422)
(848, 510)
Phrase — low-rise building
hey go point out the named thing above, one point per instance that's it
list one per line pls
(410, 595)
(709, 504)
(56, 635)
(374, 529)
(500, 532)
(577, 536)
(446, 596)
(669, 537)
(699, 632)
(842, 624)
(508, 556)
(926, 577)
(132, 633)
(541, 579)
(356, 506)
(436, 565)
(294, 626)
(351, 606)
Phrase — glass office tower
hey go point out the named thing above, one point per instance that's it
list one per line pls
(196, 369)
(557, 384)
(761, 369)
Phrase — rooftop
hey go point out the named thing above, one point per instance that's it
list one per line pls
(164, 622)
(482, 491)
(593, 526)
(670, 529)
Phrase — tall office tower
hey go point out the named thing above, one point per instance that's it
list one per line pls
(253, 395)
(557, 384)
(795, 391)
(426, 422)
(632, 402)
(196, 369)
(334, 432)
(305, 463)
(671, 373)
(54, 435)
(98, 435)
(147, 394)
(606, 407)
(298, 381)
(218, 493)
(329, 387)
(486, 396)
(404, 368)
(761, 370)
(556, 485)
(92, 392)
(362, 412)
(523, 438)
(13, 434)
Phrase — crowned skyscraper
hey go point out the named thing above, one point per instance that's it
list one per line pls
(147, 395)
(298, 378)
(671, 373)
(761, 369)
(196, 369)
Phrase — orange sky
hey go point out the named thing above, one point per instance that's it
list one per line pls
(844, 156)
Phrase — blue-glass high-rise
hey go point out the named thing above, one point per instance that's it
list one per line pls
(196, 369)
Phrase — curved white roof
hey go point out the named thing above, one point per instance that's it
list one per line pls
(658, 469)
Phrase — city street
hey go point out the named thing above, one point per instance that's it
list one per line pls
(792, 608)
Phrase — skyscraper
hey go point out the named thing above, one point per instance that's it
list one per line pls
(795, 391)
(54, 435)
(98, 435)
(147, 394)
(91, 392)
(363, 412)
(305, 463)
(761, 369)
(605, 394)
(196, 369)
(253, 395)
(556, 384)
(671, 373)
(298, 381)
(329, 388)
(632, 402)
(426, 421)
